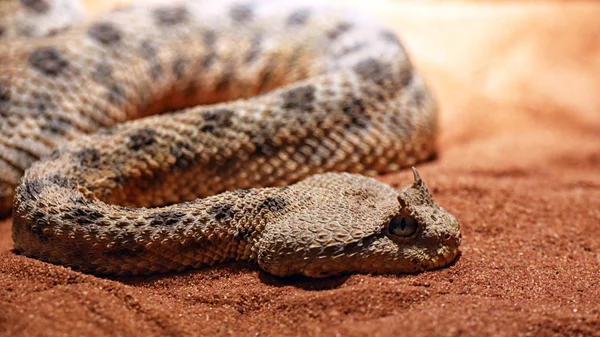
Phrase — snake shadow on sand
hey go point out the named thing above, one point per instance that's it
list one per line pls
(236, 268)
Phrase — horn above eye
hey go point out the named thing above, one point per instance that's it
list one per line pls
(416, 175)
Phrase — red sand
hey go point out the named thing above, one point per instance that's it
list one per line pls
(519, 166)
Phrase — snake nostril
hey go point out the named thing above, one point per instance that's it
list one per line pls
(451, 240)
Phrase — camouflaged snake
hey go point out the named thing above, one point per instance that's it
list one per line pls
(267, 100)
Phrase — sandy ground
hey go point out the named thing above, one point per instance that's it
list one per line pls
(519, 165)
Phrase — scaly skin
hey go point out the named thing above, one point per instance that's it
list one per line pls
(338, 94)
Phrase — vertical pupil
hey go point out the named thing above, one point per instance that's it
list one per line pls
(403, 224)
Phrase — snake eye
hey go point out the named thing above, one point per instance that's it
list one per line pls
(403, 226)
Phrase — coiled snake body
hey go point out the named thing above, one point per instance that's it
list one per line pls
(308, 90)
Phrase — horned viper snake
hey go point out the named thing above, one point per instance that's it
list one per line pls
(288, 93)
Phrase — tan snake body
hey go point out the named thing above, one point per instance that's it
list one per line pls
(309, 91)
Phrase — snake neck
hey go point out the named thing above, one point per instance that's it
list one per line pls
(95, 237)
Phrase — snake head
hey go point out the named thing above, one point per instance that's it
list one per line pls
(345, 223)
(425, 232)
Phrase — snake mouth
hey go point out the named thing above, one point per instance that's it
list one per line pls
(447, 252)
(444, 257)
